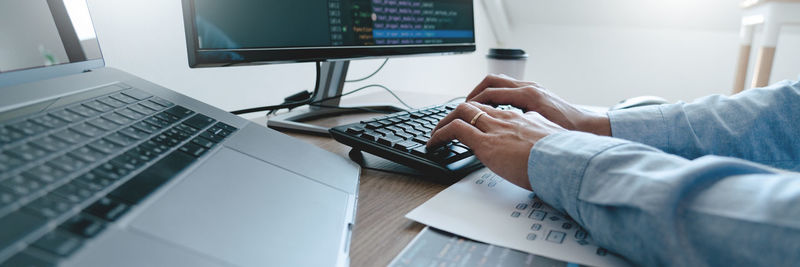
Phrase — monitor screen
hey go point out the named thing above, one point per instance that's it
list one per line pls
(230, 32)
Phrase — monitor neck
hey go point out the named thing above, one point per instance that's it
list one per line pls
(331, 82)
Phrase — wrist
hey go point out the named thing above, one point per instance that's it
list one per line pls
(596, 123)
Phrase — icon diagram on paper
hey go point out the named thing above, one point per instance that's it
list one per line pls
(486, 208)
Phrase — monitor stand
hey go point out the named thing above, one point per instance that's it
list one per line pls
(331, 83)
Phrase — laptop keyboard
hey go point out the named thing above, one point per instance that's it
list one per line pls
(66, 174)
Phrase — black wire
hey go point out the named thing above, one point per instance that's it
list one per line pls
(355, 108)
(369, 76)
(362, 88)
(289, 105)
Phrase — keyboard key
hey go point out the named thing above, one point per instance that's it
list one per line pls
(162, 102)
(83, 225)
(112, 102)
(179, 111)
(421, 151)
(74, 192)
(70, 136)
(108, 209)
(8, 162)
(98, 106)
(407, 145)
(25, 258)
(143, 184)
(16, 226)
(130, 114)
(83, 110)
(45, 173)
(60, 243)
(121, 139)
(103, 124)
(187, 129)
(88, 154)
(372, 136)
(8, 135)
(199, 121)
(212, 137)
(123, 98)
(159, 123)
(27, 152)
(117, 118)
(355, 130)
(152, 105)
(105, 146)
(146, 127)
(49, 121)
(390, 140)
(68, 163)
(134, 133)
(21, 185)
(28, 127)
(87, 130)
(141, 109)
(203, 142)
(7, 197)
(112, 171)
(50, 144)
(66, 115)
(459, 149)
(421, 139)
(49, 206)
(94, 182)
(384, 132)
(137, 94)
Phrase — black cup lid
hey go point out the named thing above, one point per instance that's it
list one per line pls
(502, 53)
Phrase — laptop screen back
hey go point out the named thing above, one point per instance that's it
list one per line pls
(45, 33)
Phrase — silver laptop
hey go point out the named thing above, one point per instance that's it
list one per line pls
(101, 168)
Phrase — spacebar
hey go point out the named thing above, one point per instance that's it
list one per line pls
(143, 184)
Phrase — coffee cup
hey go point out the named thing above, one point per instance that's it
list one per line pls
(510, 62)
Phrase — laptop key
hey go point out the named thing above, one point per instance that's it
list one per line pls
(99, 106)
(66, 115)
(180, 112)
(49, 206)
(83, 225)
(88, 154)
(27, 152)
(28, 127)
(70, 136)
(83, 110)
(49, 121)
(193, 149)
(50, 144)
(152, 105)
(16, 226)
(117, 118)
(103, 124)
(108, 209)
(120, 139)
(94, 182)
(162, 102)
(105, 146)
(123, 98)
(74, 192)
(143, 184)
(136, 93)
(130, 114)
(112, 102)
(59, 242)
(21, 185)
(199, 121)
(68, 163)
(8, 162)
(141, 109)
(87, 130)
(8, 135)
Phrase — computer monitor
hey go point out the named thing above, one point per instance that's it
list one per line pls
(241, 32)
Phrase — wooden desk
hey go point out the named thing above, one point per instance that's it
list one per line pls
(381, 230)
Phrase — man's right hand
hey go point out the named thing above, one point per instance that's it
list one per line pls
(530, 96)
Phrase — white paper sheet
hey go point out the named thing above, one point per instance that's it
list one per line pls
(487, 208)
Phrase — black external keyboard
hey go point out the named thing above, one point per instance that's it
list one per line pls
(401, 137)
(66, 174)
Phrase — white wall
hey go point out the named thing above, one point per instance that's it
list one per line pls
(599, 52)
(588, 51)
(146, 38)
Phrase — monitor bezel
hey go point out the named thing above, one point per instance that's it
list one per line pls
(255, 56)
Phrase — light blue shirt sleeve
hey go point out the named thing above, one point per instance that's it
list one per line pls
(714, 199)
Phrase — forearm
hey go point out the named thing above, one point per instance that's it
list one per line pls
(659, 209)
(759, 125)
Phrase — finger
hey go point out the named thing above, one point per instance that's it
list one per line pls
(494, 114)
(517, 97)
(464, 112)
(458, 129)
(492, 81)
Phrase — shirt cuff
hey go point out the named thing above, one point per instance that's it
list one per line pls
(644, 125)
(557, 164)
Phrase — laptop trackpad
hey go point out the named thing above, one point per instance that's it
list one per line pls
(250, 213)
